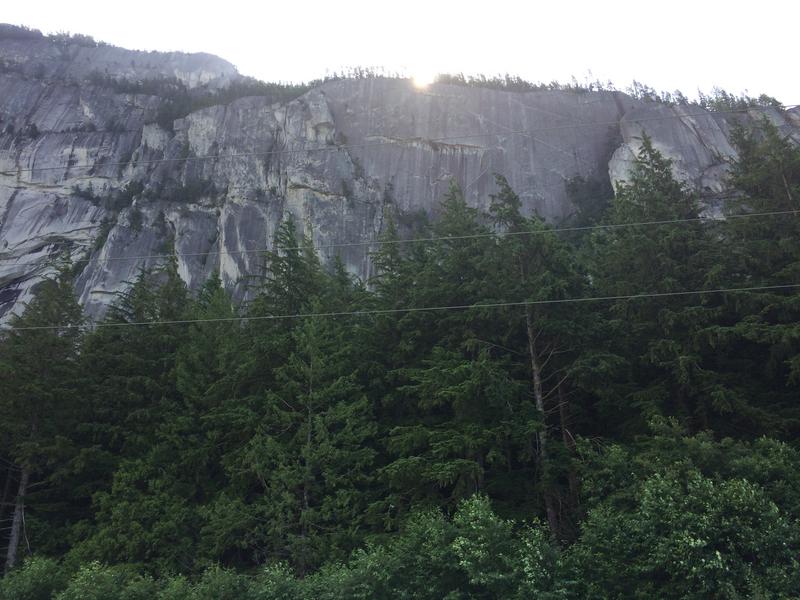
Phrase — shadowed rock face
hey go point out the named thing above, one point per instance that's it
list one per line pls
(35, 55)
(78, 171)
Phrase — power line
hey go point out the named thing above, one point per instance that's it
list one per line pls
(389, 311)
(364, 145)
(417, 240)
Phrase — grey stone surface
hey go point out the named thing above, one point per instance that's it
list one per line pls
(336, 158)
(53, 59)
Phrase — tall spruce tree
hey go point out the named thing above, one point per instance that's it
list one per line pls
(647, 361)
(757, 340)
(451, 400)
(296, 428)
(40, 395)
(533, 266)
(132, 394)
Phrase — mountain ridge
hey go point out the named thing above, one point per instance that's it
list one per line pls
(106, 164)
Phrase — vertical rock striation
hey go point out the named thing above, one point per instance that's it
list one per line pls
(97, 170)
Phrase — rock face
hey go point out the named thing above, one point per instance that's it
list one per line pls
(77, 58)
(89, 170)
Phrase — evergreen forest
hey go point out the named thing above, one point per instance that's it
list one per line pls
(607, 408)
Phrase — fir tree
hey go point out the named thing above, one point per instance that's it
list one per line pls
(533, 266)
(649, 363)
(450, 397)
(756, 340)
(40, 396)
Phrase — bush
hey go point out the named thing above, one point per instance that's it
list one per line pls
(98, 582)
(37, 579)
(688, 536)
(223, 584)
(476, 554)
(176, 588)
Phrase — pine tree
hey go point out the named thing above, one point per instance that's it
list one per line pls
(756, 340)
(38, 358)
(130, 379)
(292, 277)
(647, 361)
(449, 399)
(300, 463)
(534, 266)
(129, 365)
(206, 359)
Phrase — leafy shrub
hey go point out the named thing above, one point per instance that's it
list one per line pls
(224, 584)
(688, 517)
(98, 582)
(37, 579)
(176, 588)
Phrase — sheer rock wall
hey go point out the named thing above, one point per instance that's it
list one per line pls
(86, 170)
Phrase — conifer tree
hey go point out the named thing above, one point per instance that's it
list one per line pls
(299, 463)
(756, 340)
(132, 391)
(647, 362)
(38, 357)
(451, 397)
(130, 365)
(533, 266)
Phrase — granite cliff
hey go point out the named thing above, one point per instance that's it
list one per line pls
(96, 161)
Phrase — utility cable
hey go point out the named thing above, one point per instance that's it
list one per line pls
(391, 311)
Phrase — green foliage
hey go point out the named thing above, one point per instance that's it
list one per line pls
(647, 360)
(307, 460)
(132, 394)
(37, 370)
(223, 584)
(591, 198)
(473, 555)
(41, 405)
(97, 582)
(759, 333)
(178, 100)
(37, 579)
(688, 516)
(306, 452)
(720, 100)
(18, 32)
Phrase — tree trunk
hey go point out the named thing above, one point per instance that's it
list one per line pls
(309, 438)
(569, 443)
(302, 565)
(538, 395)
(16, 523)
(788, 189)
(6, 490)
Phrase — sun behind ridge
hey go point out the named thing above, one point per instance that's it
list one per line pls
(423, 78)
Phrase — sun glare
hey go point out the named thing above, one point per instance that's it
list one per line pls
(423, 79)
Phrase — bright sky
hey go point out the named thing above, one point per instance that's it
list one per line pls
(686, 45)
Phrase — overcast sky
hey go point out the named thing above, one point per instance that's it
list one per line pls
(668, 45)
